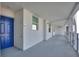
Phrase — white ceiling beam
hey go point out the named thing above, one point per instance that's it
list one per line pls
(74, 10)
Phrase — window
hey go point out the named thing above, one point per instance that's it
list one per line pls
(49, 27)
(34, 23)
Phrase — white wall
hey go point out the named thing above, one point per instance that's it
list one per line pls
(25, 37)
(31, 37)
(6, 11)
(18, 29)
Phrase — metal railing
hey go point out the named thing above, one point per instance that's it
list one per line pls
(77, 43)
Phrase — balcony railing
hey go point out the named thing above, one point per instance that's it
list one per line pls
(78, 43)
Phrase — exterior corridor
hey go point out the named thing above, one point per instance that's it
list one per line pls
(57, 46)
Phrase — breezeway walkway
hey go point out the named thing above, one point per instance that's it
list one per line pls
(54, 47)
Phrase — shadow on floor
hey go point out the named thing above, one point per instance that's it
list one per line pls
(54, 47)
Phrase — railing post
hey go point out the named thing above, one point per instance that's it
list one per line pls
(77, 42)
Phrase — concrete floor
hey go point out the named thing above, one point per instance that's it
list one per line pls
(54, 47)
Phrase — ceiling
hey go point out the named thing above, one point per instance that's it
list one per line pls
(46, 10)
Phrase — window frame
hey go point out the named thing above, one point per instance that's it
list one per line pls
(35, 21)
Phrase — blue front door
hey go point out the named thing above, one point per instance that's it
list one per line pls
(6, 32)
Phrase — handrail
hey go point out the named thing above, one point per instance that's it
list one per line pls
(77, 42)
